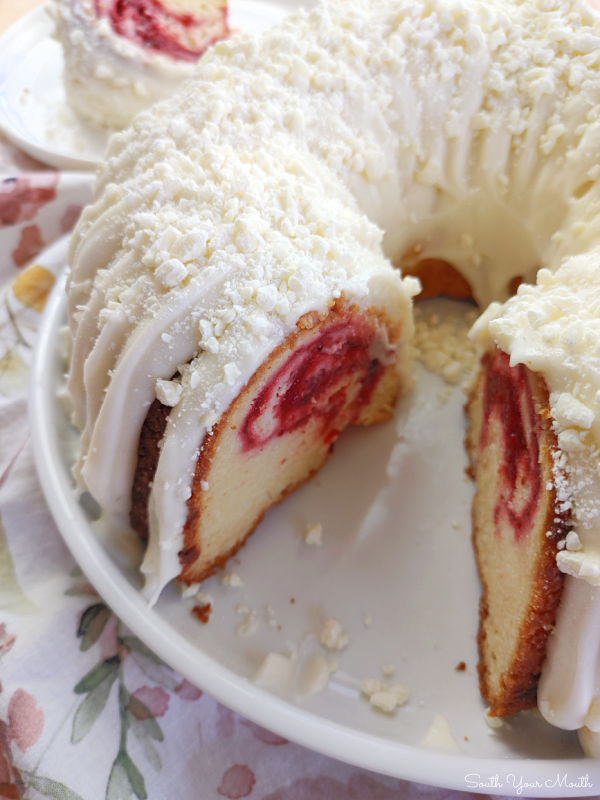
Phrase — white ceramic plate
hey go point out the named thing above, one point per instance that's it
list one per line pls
(34, 113)
(394, 505)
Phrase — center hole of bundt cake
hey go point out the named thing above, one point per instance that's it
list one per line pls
(327, 380)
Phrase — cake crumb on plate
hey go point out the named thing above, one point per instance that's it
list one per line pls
(332, 635)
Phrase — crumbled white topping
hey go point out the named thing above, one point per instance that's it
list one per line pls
(249, 624)
(495, 723)
(189, 591)
(580, 565)
(313, 535)
(205, 599)
(387, 670)
(232, 373)
(168, 392)
(271, 621)
(388, 699)
(171, 273)
(573, 541)
(570, 441)
(383, 697)
(204, 485)
(332, 635)
(568, 412)
(443, 347)
(371, 685)
(231, 579)
(367, 620)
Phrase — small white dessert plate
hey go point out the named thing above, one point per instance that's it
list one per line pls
(394, 505)
(34, 113)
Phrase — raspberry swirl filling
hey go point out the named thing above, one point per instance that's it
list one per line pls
(508, 402)
(149, 24)
(326, 381)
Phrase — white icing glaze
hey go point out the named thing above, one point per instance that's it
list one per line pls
(439, 736)
(590, 742)
(469, 130)
(302, 674)
(110, 79)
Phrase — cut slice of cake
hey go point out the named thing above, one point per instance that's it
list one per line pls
(335, 369)
(123, 55)
(516, 528)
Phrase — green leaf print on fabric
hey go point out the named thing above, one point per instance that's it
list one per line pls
(144, 736)
(150, 664)
(98, 627)
(49, 788)
(12, 597)
(125, 780)
(96, 675)
(145, 728)
(93, 621)
(91, 708)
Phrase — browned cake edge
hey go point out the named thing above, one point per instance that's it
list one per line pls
(151, 434)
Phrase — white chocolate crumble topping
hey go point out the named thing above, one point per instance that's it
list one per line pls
(313, 534)
(231, 579)
(385, 698)
(333, 636)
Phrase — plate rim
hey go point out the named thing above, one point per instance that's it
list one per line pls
(358, 748)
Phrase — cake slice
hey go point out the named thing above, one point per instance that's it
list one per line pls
(123, 55)
(516, 528)
(335, 369)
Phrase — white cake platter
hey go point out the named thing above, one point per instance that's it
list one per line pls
(34, 113)
(394, 505)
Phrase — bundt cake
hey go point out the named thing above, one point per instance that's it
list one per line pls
(233, 303)
(123, 55)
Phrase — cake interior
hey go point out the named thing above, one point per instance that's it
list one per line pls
(515, 528)
(335, 369)
(180, 29)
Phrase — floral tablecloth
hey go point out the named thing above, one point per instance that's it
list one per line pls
(86, 710)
